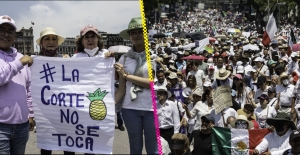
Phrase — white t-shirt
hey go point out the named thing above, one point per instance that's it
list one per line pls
(199, 77)
(219, 119)
(264, 70)
(144, 99)
(261, 115)
(286, 94)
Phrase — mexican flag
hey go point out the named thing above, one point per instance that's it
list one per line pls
(236, 141)
(271, 28)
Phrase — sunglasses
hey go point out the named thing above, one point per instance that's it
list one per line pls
(241, 122)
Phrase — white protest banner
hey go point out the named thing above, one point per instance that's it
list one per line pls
(73, 100)
(222, 98)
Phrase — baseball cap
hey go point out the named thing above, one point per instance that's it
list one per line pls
(239, 76)
(261, 80)
(8, 20)
(207, 84)
(210, 118)
(272, 89)
(88, 28)
(294, 134)
(263, 97)
(294, 54)
(259, 59)
(211, 67)
(240, 69)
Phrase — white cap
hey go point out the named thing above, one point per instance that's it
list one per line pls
(239, 69)
(210, 61)
(198, 92)
(207, 84)
(8, 20)
(259, 59)
(239, 63)
(294, 54)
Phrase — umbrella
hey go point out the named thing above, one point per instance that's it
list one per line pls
(220, 36)
(194, 57)
(196, 36)
(296, 47)
(179, 35)
(250, 47)
(159, 35)
(119, 49)
(212, 39)
(233, 30)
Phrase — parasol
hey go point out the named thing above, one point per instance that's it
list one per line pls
(194, 57)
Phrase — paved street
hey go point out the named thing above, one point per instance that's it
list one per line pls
(121, 145)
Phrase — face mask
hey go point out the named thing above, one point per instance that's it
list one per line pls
(91, 52)
(285, 82)
(241, 126)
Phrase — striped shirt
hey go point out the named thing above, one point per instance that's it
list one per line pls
(274, 143)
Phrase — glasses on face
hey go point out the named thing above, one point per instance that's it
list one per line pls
(9, 32)
(235, 79)
(90, 37)
(139, 32)
(241, 123)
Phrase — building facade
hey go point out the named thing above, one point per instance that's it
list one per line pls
(24, 41)
(67, 47)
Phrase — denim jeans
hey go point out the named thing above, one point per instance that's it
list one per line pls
(13, 138)
(137, 123)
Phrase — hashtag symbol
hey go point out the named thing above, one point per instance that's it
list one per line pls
(47, 72)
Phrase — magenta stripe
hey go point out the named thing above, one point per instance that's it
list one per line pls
(159, 147)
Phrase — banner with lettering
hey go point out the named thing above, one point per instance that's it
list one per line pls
(73, 100)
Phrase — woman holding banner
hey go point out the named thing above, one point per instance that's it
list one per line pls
(49, 42)
(137, 107)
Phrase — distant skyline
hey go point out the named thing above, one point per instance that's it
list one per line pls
(68, 17)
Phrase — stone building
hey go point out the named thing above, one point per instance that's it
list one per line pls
(24, 41)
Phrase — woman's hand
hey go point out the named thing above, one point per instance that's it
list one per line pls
(120, 69)
(109, 54)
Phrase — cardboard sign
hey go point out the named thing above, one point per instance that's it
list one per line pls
(222, 98)
(73, 100)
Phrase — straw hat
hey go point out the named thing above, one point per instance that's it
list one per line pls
(163, 88)
(173, 76)
(135, 23)
(222, 74)
(244, 118)
(49, 31)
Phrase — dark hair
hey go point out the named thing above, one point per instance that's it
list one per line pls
(206, 93)
(80, 47)
(193, 79)
(249, 107)
(160, 71)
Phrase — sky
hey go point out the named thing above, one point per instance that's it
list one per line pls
(68, 17)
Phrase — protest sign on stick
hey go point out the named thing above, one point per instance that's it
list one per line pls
(222, 98)
(73, 100)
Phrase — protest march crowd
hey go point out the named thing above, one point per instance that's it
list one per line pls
(214, 73)
(220, 87)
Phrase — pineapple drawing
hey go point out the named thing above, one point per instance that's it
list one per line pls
(97, 108)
